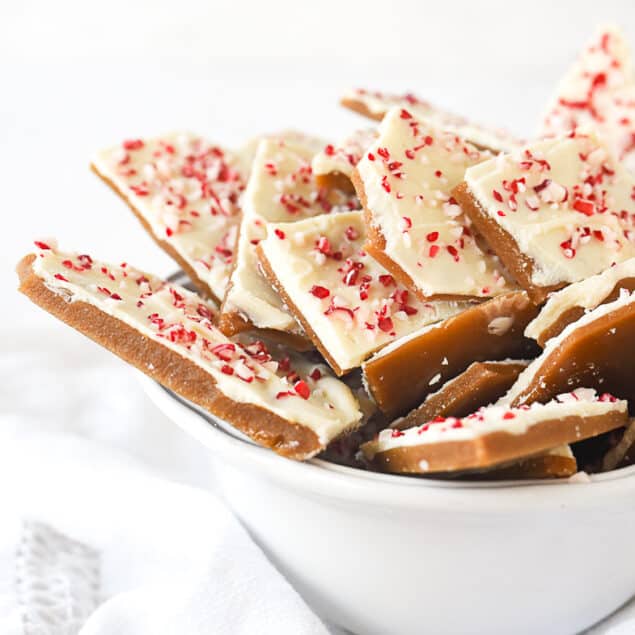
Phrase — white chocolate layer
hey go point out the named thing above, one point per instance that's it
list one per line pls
(343, 157)
(378, 104)
(582, 402)
(527, 376)
(352, 304)
(598, 91)
(281, 188)
(408, 174)
(187, 190)
(181, 321)
(567, 204)
(586, 294)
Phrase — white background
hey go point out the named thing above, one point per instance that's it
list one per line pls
(75, 76)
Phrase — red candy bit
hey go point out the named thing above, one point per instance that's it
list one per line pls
(385, 324)
(285, 393)
(385, 184)
(226, 369)
(316, 374)
(319, 291)
(159, 322)
(383, 153)
(509, 415)
(59, 276)
(323, 245)
(140, 190)
(432, 237)
(225, 351)
(452, 250)
(567, 249)
(302, 389)
(387, 280)
(497, 196)
(434, 250)
(607, 397)
(371, 157)
(133, 144)
(279, 233)
(107, 292)
(584, 207)
(181, 335)
(40, 245)
(406, 223)
(394, 434)
(404, 114)
(500, 212)
(351, 233)
(332, 309)
(329, 150)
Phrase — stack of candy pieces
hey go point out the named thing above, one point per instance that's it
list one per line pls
(426, 296)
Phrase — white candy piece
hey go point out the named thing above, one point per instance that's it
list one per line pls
(281, 188)
(187, 190)
(347, 302)
(182, 322)
(566, 202)
(407, 176)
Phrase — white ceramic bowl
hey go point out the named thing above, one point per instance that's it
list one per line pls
(377, 553)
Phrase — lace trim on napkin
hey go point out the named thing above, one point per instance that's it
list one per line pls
(57, 581)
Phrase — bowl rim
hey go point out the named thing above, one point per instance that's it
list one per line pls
(364, 486)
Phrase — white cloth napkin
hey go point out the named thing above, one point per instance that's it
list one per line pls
(100, 526)
(169, 558)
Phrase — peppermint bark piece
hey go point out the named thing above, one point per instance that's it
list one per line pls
(185, 191)
(167, 332)
(281, 188)
(571, 303)
(594, 351)
(555, 212)
(415, 227)
(347, 303)
(333, 166)
(401, 375)
(375, 105)
(481, 384)
(598, 91)
(495, 435)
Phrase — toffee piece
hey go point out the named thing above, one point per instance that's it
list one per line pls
(572, 302)
(375, 105)
(185, 191)
(595, 351)
(167, 332)
(402, 374)
(598, 91)
(346, 302)
(555, 212)
(495, 435)
(481, 384)
(281, 188)
(415, 227)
